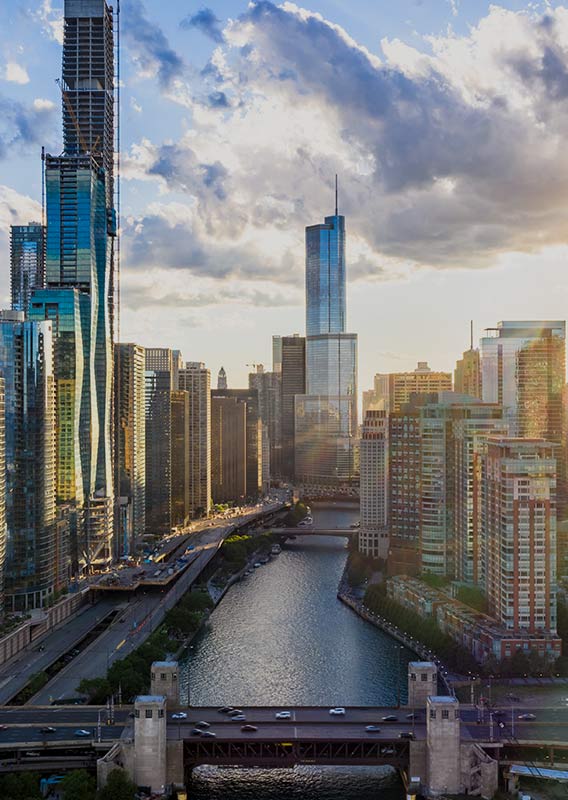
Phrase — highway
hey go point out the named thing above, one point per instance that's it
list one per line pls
(16, 673)
(141, 616)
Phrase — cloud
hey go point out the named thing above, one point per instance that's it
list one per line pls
(149, 45)
(15, 73)
(43, 104)
(51, 20)
(206, 22)
(448, 157)
(22, 126)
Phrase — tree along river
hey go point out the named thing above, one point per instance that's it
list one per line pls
(281, 637)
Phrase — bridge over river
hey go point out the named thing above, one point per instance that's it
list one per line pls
(311, 530)
(448, 747)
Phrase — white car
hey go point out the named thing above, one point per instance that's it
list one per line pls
(179, 715)
(284, 715)
(337, 712)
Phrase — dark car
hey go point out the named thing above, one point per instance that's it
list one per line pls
(249, 729)
(406, 735)
(225, 709)
(208, 734)
(202, 725)
(235, 712)
(196, 732)
(47, 729)
(390, 718)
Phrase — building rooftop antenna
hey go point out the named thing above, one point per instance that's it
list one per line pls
(471, 334)
(336, 194)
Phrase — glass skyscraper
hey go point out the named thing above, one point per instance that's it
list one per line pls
(26, 364)
(81, 227)
(326, 416)
(27, 262)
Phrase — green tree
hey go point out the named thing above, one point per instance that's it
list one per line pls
(22, 786)
(118, 787)
(96, 689)
(78, 785)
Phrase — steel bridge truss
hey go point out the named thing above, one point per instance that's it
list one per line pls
(260, 753)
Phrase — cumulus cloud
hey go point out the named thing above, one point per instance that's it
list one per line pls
(149, 45)
(15, 73)
(20, 125)
(206, 22)
(448, 157)
(51, 20)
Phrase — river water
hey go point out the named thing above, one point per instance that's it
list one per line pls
(281, 637)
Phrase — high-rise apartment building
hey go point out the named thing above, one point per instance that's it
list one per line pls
(130, 446)
(434, 444)
(293, 370)
(26, 365)
(158, 378)
(268, 386)
(2, 492)
(523, 367)
(228, 449)
(254, 437)
(222, 379)
(27, 263)
(326, 416)
(373, 533)
(180, 470)
(519, 533)
(195, 378)
(392, 390)
(404, 464)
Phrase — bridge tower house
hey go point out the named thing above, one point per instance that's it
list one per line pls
(422, 683)
(443, 741)
(150, 763)
(164, 680)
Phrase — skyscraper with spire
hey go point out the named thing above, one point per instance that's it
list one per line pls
(326, 416)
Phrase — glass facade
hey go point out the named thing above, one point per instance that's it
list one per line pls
(26, 363)
(326, 416)
(27, 263)
(325, 277)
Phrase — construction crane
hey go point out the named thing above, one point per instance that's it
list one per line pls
(71, 110)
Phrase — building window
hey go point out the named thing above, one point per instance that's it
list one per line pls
(153, 676)
(432, 714)
(174, 677)
(412, 676)
(163, 676)
(148, 713)
(137, 713)
(445, 713)
(160, 713)
(424, 677)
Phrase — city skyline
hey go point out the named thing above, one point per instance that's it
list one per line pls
(398, 273)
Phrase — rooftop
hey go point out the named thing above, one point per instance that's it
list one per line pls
(150, 698)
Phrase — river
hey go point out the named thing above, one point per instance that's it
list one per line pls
(281, 637)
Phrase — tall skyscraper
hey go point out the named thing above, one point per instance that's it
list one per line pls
(130, 446)
(2, 491)
(81, 227)
(326, 416)
(26, 365)
(254, 438)
(158, 389)
(268, 385)
(222, 379)
(293, 383)
(27, 263)
(228, 449)
(180, 469)
(195, 378)
(523, 366)
(373, 534)
(519, 533)
(276, 353)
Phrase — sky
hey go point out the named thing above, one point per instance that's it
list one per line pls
(446, 121)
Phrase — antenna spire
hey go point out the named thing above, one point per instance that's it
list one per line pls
(336, 194)
(471, 334)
